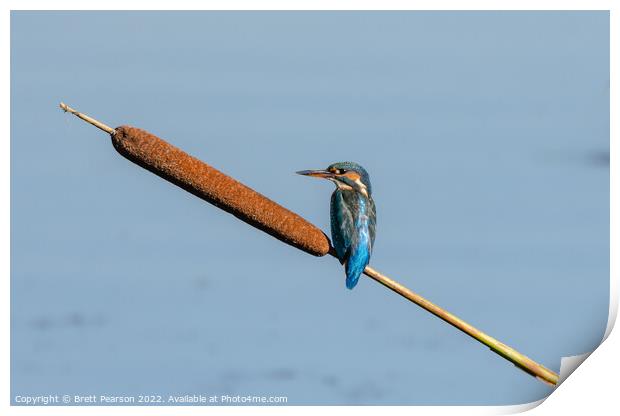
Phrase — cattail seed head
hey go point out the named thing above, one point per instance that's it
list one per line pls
(208, 183)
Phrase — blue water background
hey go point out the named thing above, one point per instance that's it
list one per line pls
(486, 135)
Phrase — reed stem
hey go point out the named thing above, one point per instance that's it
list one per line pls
(512, 355)
(87, 119)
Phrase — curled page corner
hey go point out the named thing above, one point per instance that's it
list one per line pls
(570, 364)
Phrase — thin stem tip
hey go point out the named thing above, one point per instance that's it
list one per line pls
(87, 119)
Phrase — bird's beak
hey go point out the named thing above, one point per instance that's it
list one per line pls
(316, 173)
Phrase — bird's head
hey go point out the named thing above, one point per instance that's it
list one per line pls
(346, 175)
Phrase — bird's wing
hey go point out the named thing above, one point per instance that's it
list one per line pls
(342, 224)
(372, 221)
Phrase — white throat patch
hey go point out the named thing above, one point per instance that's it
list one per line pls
(360, 187)
(343, 186)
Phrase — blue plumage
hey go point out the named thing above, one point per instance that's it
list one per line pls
(353, 216)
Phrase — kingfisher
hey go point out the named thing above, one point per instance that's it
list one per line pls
(353, 216)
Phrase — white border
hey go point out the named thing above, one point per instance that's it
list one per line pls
(591, 388)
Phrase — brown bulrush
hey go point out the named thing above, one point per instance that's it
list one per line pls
(206, 182)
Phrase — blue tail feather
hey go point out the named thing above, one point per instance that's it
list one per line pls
(355, 266)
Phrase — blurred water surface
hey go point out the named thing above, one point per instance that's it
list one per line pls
(486, 135)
